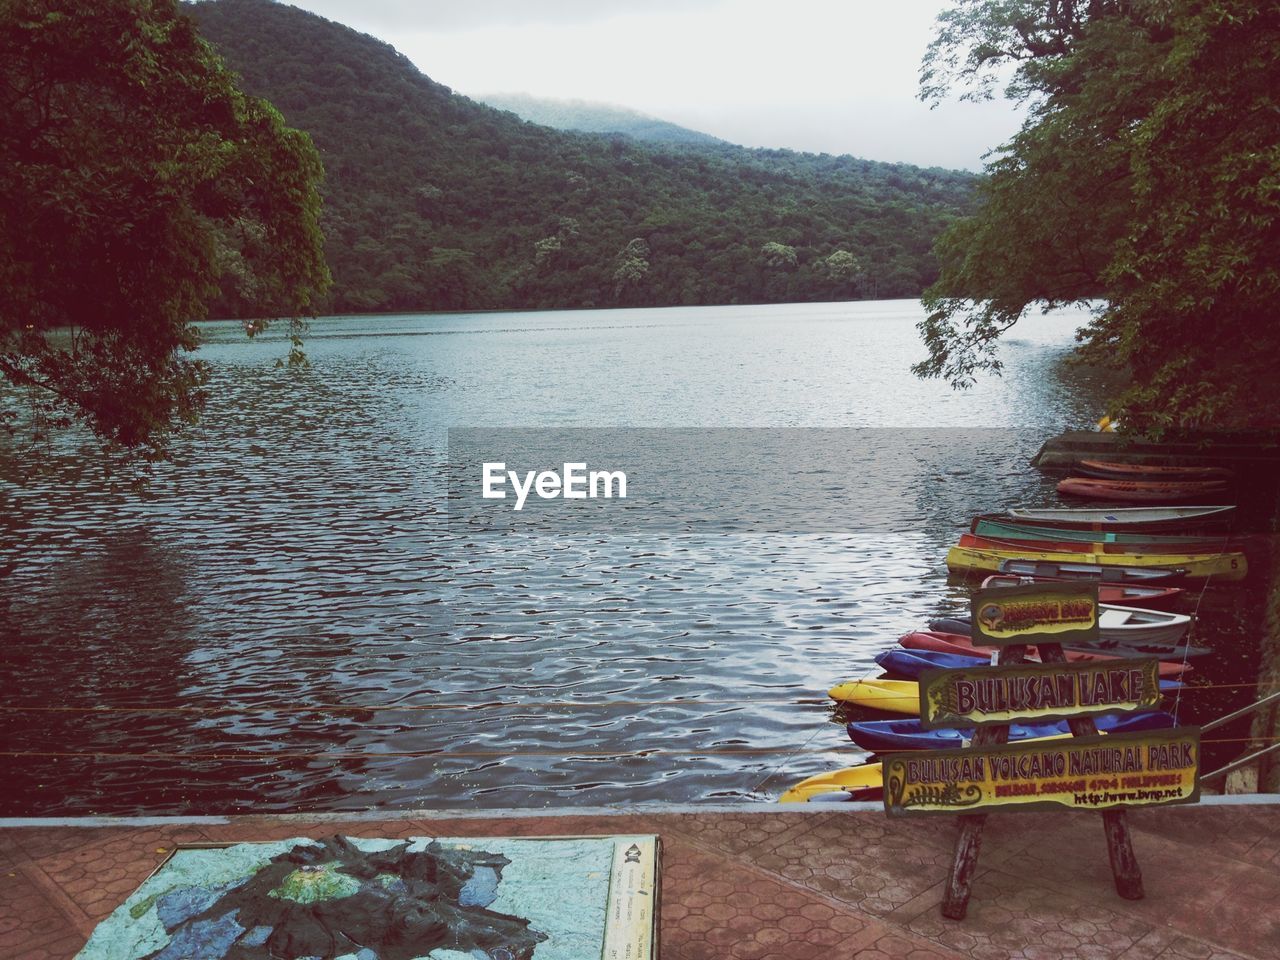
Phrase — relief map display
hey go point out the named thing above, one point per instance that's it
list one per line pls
(344, 898)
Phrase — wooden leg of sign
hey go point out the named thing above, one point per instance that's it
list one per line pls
(955, 903)
(1124, 863)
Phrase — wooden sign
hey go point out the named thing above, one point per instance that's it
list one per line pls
(1035, 613)
(1042, 692)
(1100, 792)
(1146, 768)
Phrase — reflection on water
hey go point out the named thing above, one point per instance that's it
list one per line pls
(285, 620)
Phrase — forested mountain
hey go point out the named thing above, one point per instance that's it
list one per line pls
(435, 202)
(587, 117)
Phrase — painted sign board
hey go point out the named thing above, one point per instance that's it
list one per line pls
(1035, 612)
(984, 696)
(1081, 773)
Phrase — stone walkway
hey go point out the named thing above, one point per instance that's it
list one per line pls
(762, 883)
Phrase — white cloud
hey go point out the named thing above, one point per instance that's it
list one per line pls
(835, 76)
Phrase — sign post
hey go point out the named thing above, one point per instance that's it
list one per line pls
(1081, 771)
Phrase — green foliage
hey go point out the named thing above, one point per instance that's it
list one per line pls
(412, 168)
(631, 266)
(779, 256)
(1146, 180)
(135, 175)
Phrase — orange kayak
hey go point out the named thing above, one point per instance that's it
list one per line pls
(1111, 470)
(1142, 491)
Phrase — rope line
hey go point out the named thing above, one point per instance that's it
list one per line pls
(512, 705)
(1195, 619)
(444, 754)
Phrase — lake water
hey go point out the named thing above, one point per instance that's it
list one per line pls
(285, 619)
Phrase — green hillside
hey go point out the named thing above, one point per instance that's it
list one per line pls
(587, 117)
(435, 202)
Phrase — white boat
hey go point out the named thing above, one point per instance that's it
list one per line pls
(1129, 626)
(1121, 515)
(1089, 571)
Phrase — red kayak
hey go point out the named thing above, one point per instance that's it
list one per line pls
(958, 643)
(1142, 491)
(1119, 594)
(1110, 470)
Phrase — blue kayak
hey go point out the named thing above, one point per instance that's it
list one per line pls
(909, 664)
(880, 736)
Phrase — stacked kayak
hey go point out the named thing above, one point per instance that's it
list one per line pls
(863, 782)
(1142, 491)
(1121, 647)
(887, 696)
(1124, 518)
(1043, 570)
(1153, 548)
(963, 645)
(1135, 554)
(996, 529)
(990, 555)
(901, 696)
(909, 664)
(883, 736)
(1122, 625)
(1116, 594)
(1111, 470)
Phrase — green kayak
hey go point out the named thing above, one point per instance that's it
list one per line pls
(1004, 530)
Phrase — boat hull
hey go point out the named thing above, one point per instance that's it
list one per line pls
(1085, 572)
(962, 645)
(883, 736)
(1116, 594)
(888, 696)
(1120, 518)
(1112, 470)
(860, 782)
(1123, 625)
(1095, 546)
(1137, 491)
(1225, 566)
(1001, 530)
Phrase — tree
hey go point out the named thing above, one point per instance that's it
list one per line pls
(778, 256)
(134, 178)
(845, 272)
(630, 267)
(1147, 177)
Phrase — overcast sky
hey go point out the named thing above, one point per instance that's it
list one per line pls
(834, 76)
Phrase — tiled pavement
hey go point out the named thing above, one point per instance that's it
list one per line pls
(763, 884)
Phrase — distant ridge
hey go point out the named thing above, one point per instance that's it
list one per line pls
(436, 202)
(586, 116)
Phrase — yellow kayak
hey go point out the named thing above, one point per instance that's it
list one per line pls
(1219, 566)
(865, 777)
(891, 696)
